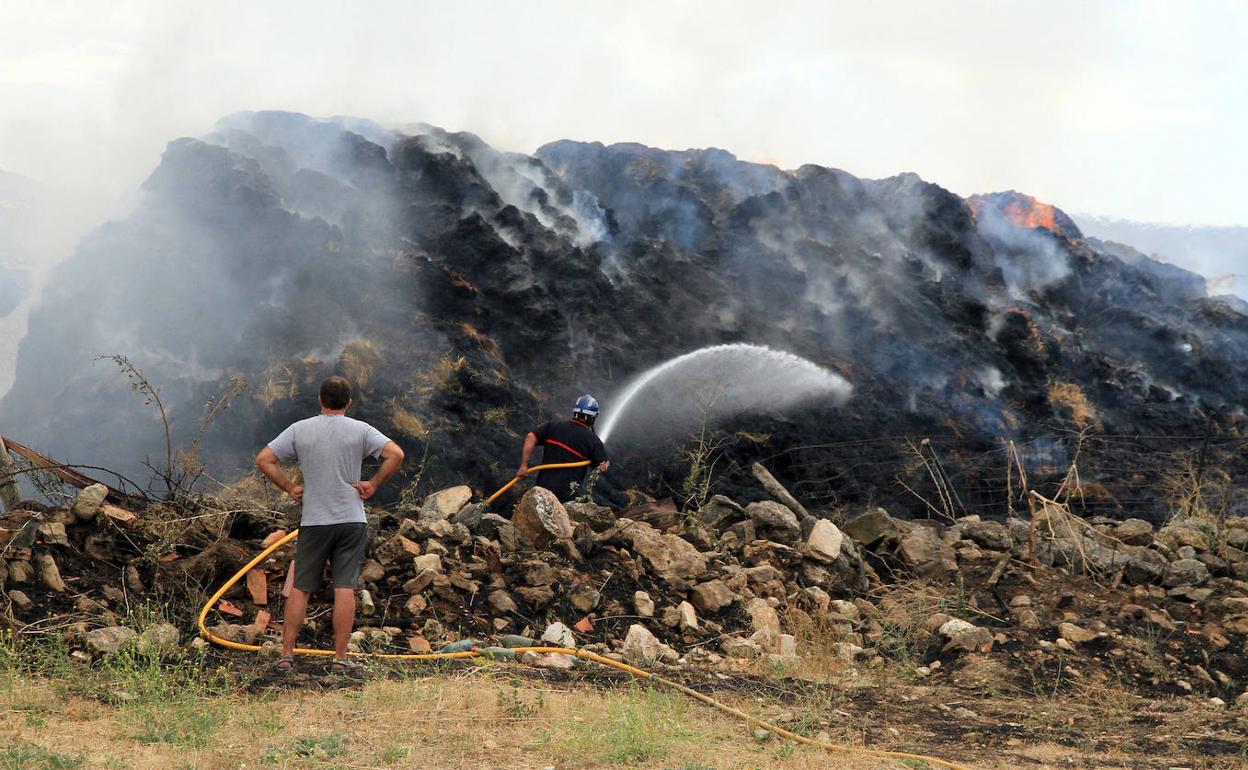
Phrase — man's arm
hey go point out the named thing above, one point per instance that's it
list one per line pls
(530, 441)
(269, 465)
(391, 459)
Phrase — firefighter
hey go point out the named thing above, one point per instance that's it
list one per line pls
(567, 441)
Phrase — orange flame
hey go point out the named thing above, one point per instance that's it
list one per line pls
(1029, 212)
(1022, 210)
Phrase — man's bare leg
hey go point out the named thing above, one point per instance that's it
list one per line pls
(344, 620)
(296, 611)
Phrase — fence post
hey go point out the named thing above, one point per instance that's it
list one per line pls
(9, 496)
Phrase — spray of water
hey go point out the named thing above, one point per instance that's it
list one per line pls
(733, 378)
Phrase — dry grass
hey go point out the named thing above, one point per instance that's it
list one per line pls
(1072, 398)
(407, 423)
(133, 713)
(1197, 495)
(360, 360)
(482, 720)
(447, 372)
(482, 340)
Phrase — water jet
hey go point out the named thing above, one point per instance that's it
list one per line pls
(733, 378)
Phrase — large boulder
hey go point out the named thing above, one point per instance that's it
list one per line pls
(669, 557)
(444, 504)
(89, 500)
(824, 542)
(1175, 536)
(1143, 565)
(926, 554)
(992, 535)
(541, 519)
(711, 596)
(873, 527)
(1134, 532)
(777, 520)
(1185, 572)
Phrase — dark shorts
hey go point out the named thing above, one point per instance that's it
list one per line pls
(342, 545)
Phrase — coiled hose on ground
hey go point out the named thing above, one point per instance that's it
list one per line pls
(583, 655)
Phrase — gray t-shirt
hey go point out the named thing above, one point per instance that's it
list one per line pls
(330, 449)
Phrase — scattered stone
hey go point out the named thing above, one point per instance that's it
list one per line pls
(720, 511)
(688, 617)
(1185, 572)
(640, 646)
(1134, 532)
(824, 542)
(1028, 620)
(599, 517)
(372, 571)
(442, 505)
(778, 491)
(992, 535)
(776, 519)
(670, 557)
(396, 549)
(1074, 634)
(872, 527)
(49, 574)
(965, 637)
(20, 571)
(537, 597)
(643, 604)
(418, 643)
(764, 621)
(107, 641)
(53, 533)
(159, 640)
(559, 635)
(736, 647)
(584, 597)
(926, 554)
(819, 598)
(501, 602)
(422, 581)
(416, 605)
(1175, 536)
(541, 519)
(430, 562)
(535, 572)
(87, 503)
(21, 602)
(712, 596)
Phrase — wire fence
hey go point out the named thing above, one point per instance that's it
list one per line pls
(947, 476)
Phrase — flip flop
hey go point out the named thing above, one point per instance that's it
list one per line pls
(345, 666)
(285, 664)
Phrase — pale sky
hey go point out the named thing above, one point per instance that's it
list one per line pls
(1127, 109)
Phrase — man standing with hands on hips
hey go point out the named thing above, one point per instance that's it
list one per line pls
(329, 448)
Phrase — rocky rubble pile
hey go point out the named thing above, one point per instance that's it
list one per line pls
(721, 584)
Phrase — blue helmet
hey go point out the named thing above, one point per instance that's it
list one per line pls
(586, 405)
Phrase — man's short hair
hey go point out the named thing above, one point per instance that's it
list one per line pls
(335, 393)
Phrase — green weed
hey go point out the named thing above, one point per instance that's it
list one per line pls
(31, 756)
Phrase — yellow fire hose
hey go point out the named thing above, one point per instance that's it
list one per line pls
(582, 654)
